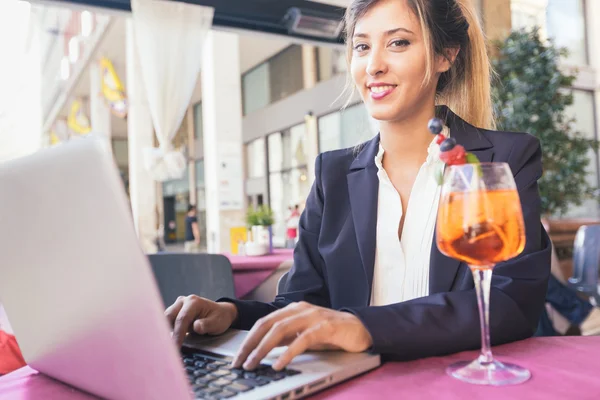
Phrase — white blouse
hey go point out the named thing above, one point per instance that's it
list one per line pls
(402, 266)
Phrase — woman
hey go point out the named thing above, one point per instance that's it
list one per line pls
(367, 274)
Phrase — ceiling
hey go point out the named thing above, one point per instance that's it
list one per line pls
(251, 16)
(253, 50)
(247, 15)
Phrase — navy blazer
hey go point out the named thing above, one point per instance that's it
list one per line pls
(335, 255)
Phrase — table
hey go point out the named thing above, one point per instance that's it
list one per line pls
(562, 368)
(250, 271)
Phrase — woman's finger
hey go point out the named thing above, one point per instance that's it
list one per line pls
(280, 331)
(315, 336)
(261, 327)
(172, 311)
(183, 322)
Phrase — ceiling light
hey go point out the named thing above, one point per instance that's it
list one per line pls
(65, 69)
(74, 49)
(87, 21)
(312, 23)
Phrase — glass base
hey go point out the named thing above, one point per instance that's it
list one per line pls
(494, 373)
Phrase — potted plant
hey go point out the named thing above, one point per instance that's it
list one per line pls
(532, 95)
(260, 222)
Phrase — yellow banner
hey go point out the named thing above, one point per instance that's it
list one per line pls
(113, 89)
(77, 121)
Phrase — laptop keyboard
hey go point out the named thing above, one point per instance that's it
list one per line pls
(211, 376)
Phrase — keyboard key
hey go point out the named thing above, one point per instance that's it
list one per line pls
(199, 364)
(238, 387)
(188, 361)
(208, 391)
(212, 366)
(198, 388)
(233, 376)
(250, 382)
(220, 372)
(220, 382)
(263, 381)
(249, 374)
(278, 376)
(205, 380)
(190, 370)
(291, 372)
(199, 373)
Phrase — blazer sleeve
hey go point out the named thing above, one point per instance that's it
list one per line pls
(305, 281)
(444, 323)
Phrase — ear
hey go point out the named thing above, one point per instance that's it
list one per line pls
(445, 61)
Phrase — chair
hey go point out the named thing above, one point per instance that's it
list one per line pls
(282, 282)
(206, 275)
(586, 261)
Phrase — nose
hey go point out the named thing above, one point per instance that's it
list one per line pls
(377, 64)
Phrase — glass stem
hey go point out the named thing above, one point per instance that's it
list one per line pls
(483, 279)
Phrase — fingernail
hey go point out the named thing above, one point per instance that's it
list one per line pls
(277, 365)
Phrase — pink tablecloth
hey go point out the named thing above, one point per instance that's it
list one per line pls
(250, 272)
(562, 368)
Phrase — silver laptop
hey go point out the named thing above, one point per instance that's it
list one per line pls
(84, 305)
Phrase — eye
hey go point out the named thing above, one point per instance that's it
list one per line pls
(400, 43)
(361, 47)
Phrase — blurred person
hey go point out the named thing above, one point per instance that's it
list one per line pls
(292, 226)
(192, 233)
(367, 273)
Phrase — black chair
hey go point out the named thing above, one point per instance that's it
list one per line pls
(206, 275)
(586, 261)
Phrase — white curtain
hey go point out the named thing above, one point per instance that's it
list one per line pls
(169, 37)
(20, 80)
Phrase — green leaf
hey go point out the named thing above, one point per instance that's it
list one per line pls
(532, 95)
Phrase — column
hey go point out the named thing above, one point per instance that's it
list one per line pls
(496, 18)
(191, 146)
(100, 116)
(140, 132)
(222, 123)
(310, 74)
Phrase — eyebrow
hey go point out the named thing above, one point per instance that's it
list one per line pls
(386, 33)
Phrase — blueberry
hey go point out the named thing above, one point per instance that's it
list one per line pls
(448, 144)
(435, 125)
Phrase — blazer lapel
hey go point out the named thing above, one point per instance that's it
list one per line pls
(443, 269)
(363, 188)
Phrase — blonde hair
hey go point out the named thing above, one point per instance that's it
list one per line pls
(465, 88)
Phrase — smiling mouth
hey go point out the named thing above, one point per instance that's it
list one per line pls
(379, 92)
(381, 89)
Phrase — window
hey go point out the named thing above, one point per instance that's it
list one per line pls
(288, 176)
(565, 24)
(286, 76)
(332, 62)
(582, 110)
(256, 89)
(561, 20)
(256, 158)
(273, 80)
(345, 128)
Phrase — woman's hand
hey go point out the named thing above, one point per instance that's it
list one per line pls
(302, 326)
(204, 316)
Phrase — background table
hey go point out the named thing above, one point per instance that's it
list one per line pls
(562, 368)
(249, 272)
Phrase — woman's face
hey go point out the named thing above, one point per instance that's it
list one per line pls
(389, 62)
